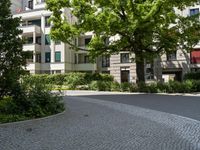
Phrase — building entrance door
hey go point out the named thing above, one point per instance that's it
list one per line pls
(125, 75)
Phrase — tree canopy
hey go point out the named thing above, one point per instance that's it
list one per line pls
(147, 28)
(12, 58)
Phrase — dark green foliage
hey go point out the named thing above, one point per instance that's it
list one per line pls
(115, 86)
(192, 76)
(100, 85)
(73, 80)
(42, 103)
(12, 58)
(36, 101)
(126, 87)
(152, 88)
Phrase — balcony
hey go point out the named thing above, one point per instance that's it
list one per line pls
(31, 29)
(85, 67)
(33, 66)
(31, 47)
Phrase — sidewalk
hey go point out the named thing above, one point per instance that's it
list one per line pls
(85, 93)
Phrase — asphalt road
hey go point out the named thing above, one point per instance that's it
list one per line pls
(187, 106)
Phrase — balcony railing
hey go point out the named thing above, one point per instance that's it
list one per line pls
(30, 29)
(31, 47)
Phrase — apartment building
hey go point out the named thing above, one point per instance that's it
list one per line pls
(49, 56)
(52, 57)
(176, 65)
(169, 67)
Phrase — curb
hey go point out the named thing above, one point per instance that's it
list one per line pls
(83, 93)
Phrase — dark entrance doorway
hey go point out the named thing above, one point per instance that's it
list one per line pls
(177, 74)
(125, 75)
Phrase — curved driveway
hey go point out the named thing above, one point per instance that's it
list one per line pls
(188, 106)
(93, 124)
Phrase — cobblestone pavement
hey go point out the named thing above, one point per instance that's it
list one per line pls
(187, 106)
(91, 124)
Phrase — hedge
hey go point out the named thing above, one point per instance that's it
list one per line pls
(72, 80)
(192, 76)
(105, 82)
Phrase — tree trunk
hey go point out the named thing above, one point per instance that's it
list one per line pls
(140, 69)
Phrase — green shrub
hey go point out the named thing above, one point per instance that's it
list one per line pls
(93, 86)
(32, 102)
(134, 88)
(43, 103)
(7, 105)
(115, 86)
(129, 87)
(142, 87)
(192, 76)
(195, 85)
(152, 88)
(100, 86)
(5, 118)
(162, 87)
(75, 79)
(107, 78)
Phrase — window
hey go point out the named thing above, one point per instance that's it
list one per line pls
(30, 60)
(30, 4)
(38, 40)
(149, 73)
(35, 22)
(38, 58)
(57, 56)
(125, 58)
(28, 40)
(171, 56)
(86, 59)
(87, 41)
(194, 11)
(47, 23)
(47, 39)
(47, 57)
(105, 61)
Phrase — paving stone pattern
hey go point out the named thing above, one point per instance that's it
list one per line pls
(91, 124)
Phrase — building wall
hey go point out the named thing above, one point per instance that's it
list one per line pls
(16, 6)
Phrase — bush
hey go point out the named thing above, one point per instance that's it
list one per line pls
(129, 87)
(7, 106)
(100, 86)
(152, 88)
(74, 79)
(162, 87)
(41, 102)
(192, 76)
(142, 87)
(115, 86)
(195, 85)
(33, 102)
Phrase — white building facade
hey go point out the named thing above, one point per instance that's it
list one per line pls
(49, 56)
(56, 57)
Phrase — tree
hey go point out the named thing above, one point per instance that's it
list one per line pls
(12, 58)
(148, 28)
